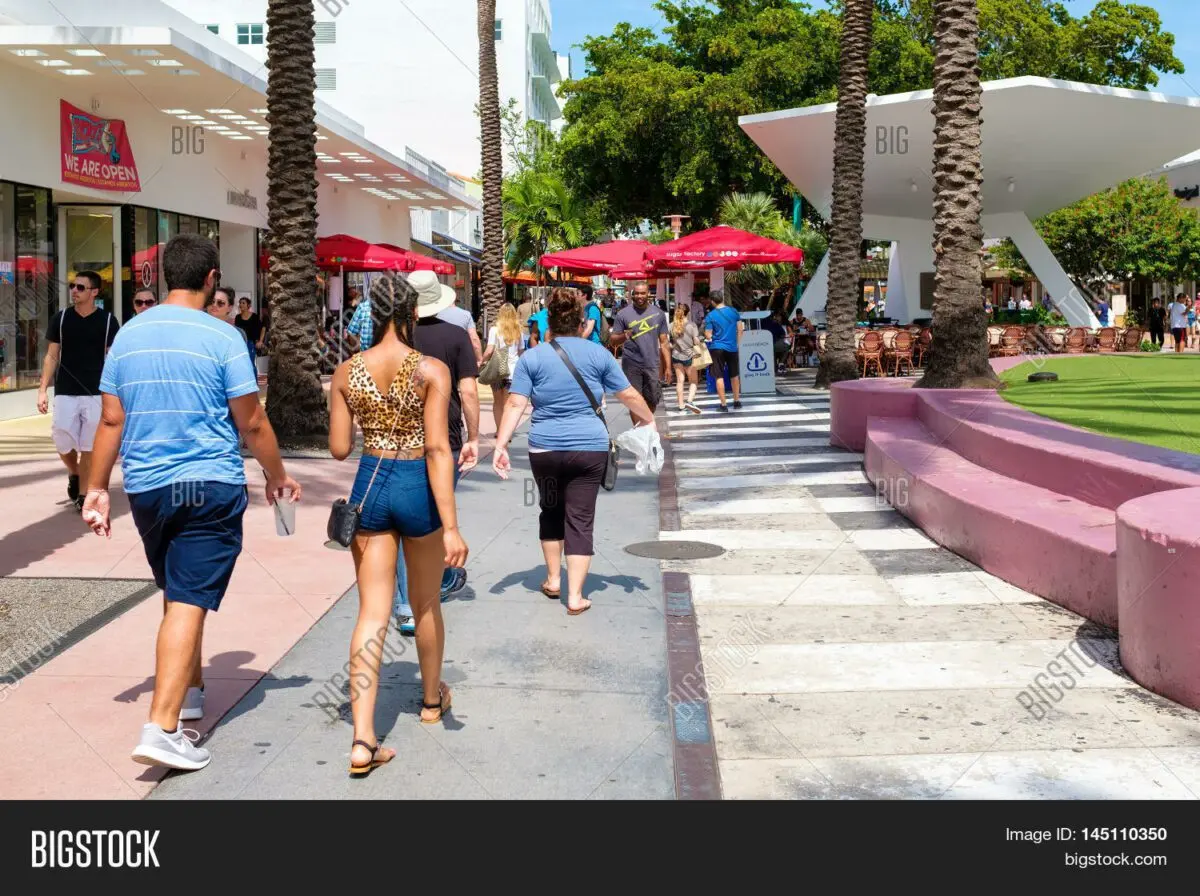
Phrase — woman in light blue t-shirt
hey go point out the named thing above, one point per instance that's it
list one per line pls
(568, 442)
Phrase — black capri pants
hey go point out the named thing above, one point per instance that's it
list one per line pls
(568, 483)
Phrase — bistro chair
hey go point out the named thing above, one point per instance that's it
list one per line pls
(899, 354)
(1076, 341)
(1106, 340)
(870, 352)
(995, 334)
(924, 340)
(1010, 341)
(1131, 340)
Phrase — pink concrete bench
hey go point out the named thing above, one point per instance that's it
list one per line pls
(1051, 545)
(1158, 593)
(853, 401)
(1107, 472)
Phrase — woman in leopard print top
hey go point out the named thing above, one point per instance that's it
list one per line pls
(405, 487)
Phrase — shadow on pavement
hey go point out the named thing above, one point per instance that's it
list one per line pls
(532, 579)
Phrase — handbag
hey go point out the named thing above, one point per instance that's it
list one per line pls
(495, 369)
(609, 482)
(703, 358)
(344, 517)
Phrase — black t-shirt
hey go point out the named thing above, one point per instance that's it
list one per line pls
(84, 342)
(1158, 318)
(451, 345)
(251, 326)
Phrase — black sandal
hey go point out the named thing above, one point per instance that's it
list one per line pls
(358, 771)
(442, 706)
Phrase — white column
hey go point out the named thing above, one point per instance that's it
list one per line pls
(816, 293)
(912, 258)
(1063, 293)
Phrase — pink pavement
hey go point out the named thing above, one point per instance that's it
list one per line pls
(69, 726)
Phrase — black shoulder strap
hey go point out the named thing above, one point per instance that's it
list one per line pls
(579, 379)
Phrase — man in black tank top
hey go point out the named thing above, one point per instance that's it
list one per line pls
(450, 345)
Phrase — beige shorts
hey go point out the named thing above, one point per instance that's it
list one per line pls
(75, 420)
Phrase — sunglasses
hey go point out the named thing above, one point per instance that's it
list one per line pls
(144, 303)
(80, 287)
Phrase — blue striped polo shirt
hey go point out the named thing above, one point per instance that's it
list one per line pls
(175, 370)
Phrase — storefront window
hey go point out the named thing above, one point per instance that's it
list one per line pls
(27, 294)
(140, 251)
(210, 230)
(171, 225)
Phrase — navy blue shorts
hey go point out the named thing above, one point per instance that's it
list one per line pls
(192, 534)
(401, 499)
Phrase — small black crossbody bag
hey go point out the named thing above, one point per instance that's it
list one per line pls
(614, 454)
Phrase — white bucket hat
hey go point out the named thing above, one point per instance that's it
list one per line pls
(433, 297)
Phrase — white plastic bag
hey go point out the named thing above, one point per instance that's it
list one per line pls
(644, 444)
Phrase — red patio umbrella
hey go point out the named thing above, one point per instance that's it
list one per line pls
(419, 262)
(600, 258)
(723, 247)
(349, 253)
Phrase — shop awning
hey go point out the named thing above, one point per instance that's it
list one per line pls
(476, 255)
(443, 251)
(194, 79)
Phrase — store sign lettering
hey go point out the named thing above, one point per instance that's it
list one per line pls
(244, 199)
(96, 152)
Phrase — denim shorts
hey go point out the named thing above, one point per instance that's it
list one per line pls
(401, 498)
(192, 535)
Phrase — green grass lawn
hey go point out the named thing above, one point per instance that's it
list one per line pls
(1143, 398)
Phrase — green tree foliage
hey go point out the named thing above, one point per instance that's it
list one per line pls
(758, 213)
(653, 124)
(1136, 230)
(541, 213)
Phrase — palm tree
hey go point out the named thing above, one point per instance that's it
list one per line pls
(758, 213)
(296, 403)
(958, 356)
(849, 147)
(491, 275)
(540, 215)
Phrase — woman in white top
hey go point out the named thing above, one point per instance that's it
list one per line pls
(505, 336)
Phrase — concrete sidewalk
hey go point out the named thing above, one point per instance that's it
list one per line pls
(546, 706)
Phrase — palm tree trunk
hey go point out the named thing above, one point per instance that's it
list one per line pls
(958, 355)
(492, 271)
(296, 403)
(849, 147)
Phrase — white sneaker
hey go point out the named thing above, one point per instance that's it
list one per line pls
(176, 750)
(193, 705)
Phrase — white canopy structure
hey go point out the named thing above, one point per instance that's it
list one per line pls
(1046, 144)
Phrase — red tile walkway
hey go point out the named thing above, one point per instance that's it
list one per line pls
(66, 729)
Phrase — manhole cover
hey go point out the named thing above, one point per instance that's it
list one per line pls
(674, 550)
(1044, 376)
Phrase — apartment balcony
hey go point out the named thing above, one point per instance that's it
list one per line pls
(544, 61)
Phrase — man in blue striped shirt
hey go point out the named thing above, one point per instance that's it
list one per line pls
(177, 389)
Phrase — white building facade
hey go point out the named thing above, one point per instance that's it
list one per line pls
(410, 71)
(187, 112)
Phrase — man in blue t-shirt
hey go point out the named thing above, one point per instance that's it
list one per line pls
(177, 390)
(592, 316)
(539, 326)
(723, 331)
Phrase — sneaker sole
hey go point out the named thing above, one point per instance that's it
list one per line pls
(163, 759)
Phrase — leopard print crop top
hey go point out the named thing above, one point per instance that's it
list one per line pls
(395, 422)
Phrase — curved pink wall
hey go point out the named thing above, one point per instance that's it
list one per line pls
(1158, 592)
(851, 403)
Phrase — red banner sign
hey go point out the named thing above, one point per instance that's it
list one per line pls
(96, 152)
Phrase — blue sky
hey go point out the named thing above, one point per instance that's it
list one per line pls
(574, 20)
